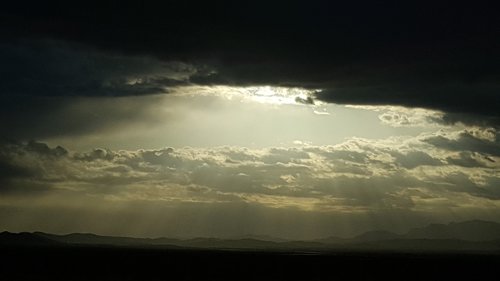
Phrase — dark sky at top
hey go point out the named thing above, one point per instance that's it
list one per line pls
(439, 56)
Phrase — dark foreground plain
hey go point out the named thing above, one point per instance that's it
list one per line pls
(129, 263)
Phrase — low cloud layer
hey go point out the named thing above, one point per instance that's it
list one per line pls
(430, 176)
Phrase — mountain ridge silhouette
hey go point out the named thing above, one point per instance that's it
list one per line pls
(468, 236)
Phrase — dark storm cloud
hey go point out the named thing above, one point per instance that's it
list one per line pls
(18, 177)
(435, 56)
(10, 171)
(47, 68)
(308, 100)
(55, 88)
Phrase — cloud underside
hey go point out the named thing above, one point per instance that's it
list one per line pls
(35, 70)
(395, 56)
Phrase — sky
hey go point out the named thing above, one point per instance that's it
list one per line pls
(298, 120)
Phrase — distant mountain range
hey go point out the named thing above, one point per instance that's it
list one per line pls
(463, 236)
(474, 230)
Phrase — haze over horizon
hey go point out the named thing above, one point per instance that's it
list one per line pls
(300, 121)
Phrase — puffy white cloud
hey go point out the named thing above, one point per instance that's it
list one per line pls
(399, 116)
(368, 174)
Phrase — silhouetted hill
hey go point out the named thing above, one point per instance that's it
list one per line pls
(332, 240)
(24, 239)
(375, 236)
(475, 230)
(89, 238)
(429, 245)
(93, 239)
(261, 238)
(230, 244)
(255, 244)
(201, 242)
(464, 236)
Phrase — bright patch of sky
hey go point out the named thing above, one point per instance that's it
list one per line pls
(252, 117)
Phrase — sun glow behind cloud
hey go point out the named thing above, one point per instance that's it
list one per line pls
(261, 94)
